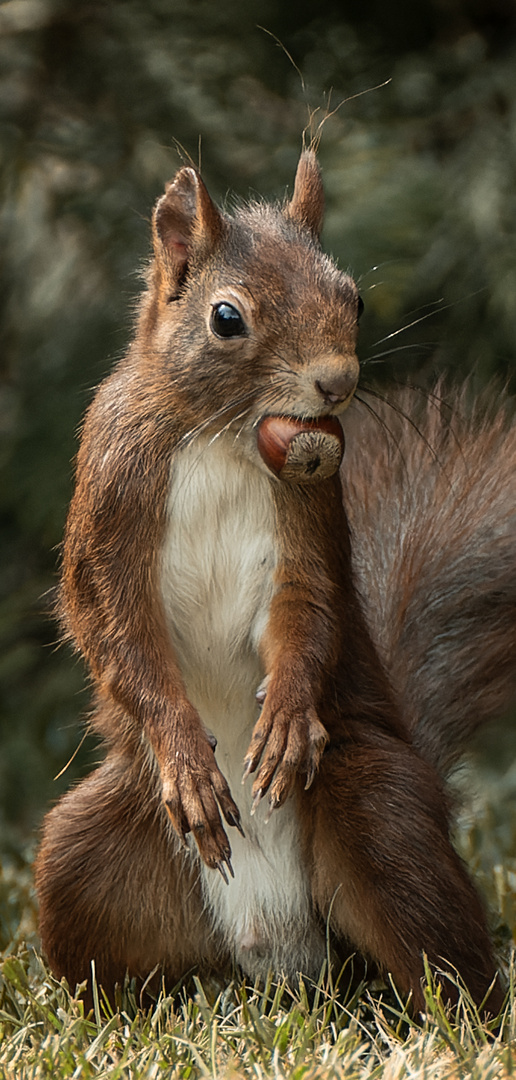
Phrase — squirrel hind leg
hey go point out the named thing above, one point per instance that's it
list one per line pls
(387, 875)
(113, 886)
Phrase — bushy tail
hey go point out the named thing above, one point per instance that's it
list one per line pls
(430, 492)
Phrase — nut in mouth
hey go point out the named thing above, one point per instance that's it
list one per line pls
(301, 451)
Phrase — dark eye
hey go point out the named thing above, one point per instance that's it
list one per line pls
(360, 308)
(226, 321)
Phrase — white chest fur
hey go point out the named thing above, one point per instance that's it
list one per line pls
(218, 566)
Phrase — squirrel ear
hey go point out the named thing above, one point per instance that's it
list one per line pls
(185, 220)
(306, 206)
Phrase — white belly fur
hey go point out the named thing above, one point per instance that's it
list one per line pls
(217, 583)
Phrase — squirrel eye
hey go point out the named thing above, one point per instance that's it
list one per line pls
(226, 321)
(360, 308)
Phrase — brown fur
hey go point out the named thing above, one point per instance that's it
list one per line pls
(121, 891)
(435, 515)
(113, 881)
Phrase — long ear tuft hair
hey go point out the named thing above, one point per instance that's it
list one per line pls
(306, 206)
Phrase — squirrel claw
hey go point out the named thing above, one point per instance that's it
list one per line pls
(273, 805)
(310, 778)
(248, 768)
(233, 820)
(222, 870)
(221, 867)
(212, 740)
(256, 800)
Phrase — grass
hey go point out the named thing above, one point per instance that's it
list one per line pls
(307, 1032)
(242, 1031)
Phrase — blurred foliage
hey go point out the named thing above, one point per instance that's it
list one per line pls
(99, 101)
(18, 915)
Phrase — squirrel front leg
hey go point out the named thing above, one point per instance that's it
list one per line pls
(288, 737)
(301, 643)
(193, 787)
(146, 681)
(111, 606)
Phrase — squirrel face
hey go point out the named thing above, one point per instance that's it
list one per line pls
(245, 313)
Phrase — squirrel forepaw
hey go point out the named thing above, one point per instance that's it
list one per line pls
(193, 791)
(286, 742)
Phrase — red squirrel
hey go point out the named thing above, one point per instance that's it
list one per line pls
(285, 664)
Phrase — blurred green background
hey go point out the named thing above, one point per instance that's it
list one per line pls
(99, 103)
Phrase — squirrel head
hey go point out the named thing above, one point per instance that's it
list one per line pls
(246, 312)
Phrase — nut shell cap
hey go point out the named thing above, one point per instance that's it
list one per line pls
(301, 451)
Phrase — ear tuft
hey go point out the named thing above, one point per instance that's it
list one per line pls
(185, 222)
(307, 204)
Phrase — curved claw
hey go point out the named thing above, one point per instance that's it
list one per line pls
(222, 870)
(212, 740)
(233, 820)
(248, 768)
(273, 805)
(221, 867)
(310, 778)
(256, 800)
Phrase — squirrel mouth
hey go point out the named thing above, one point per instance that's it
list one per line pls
(301, 451)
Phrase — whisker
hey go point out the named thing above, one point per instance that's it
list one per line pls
(429, 315)
(361, 278)
(399, 348)
(408, 326)
(240, 430)
(227, 426)
(401, 412)
(383, 425)
(437, 304)
(284, 366)
(439, 403)
(270, 396)
(194, 432)
(429, 395)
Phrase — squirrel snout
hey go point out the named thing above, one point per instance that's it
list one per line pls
(335, 387)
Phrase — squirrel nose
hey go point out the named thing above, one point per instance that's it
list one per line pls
(337, 387)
